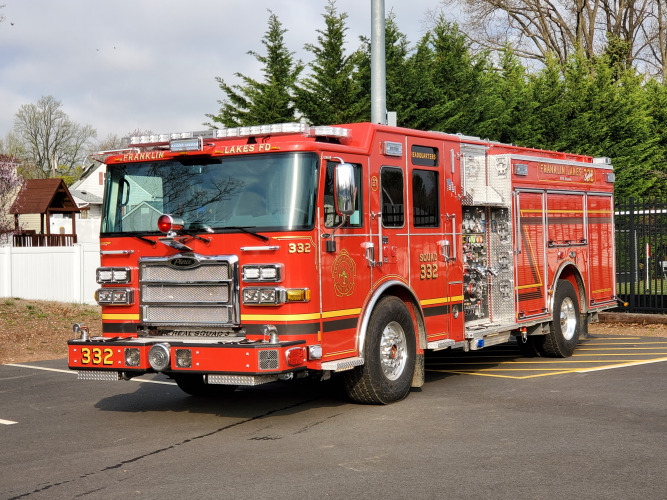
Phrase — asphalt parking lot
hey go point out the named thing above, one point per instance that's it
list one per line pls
(487, 424)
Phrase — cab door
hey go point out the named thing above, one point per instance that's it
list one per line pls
(344, 275)
(388, 211)
(429, 245)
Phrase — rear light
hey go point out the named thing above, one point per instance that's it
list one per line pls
(296, 356)
(167, 223)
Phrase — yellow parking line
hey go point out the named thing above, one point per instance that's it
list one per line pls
(622, 343)
(623, 354)
(622, 365)
(543, 362)
(614, 348)
(523, 377)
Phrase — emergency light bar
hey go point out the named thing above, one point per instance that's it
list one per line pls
(255, 130)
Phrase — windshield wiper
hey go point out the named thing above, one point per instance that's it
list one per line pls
(147, 240)
(246, 229)
(192, 233)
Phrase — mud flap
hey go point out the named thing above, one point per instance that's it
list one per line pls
(418, 376)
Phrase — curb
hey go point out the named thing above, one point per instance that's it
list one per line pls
(612, 317)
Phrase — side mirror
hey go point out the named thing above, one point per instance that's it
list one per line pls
(345, 189)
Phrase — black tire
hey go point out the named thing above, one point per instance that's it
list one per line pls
(389, 356)
(194, 385)
(561, 341)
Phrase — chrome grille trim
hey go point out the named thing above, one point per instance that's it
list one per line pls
(203, 293)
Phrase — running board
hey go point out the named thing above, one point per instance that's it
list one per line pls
(340, 365)
(437, 345)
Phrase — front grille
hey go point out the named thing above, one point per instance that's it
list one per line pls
(175, 315)
(207, 271)
(203, 293)
(172, 293)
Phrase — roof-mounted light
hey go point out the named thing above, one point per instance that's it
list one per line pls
(184, 145)
(329, 131)
(166, 223)
(248, 131)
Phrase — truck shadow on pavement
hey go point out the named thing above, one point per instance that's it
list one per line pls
(244, 402)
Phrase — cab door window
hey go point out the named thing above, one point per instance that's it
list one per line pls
(393, 204)
(425, 199)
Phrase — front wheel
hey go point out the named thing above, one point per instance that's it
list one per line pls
(562, 339)
(389, 356)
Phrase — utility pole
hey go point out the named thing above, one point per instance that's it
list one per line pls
(378, 65)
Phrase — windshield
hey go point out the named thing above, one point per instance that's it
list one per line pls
(260, 192)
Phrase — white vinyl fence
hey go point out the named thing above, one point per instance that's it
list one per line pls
(63, 274)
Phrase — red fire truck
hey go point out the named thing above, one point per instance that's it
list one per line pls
(242, 256)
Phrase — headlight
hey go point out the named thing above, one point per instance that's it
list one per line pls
(263, 296)
(262, 272)
(114, 296)
(114, 275)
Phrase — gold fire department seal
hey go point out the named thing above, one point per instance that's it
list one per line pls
(343, 272)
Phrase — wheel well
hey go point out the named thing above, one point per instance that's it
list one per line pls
(572, 274)
(410, 301)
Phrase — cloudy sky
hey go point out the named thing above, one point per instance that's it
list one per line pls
(122, 65)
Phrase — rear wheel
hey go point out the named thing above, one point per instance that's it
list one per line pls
(563, 336)
(194, 385)
(389, 356)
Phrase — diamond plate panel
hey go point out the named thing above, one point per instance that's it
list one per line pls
(241, 379)
(98, 375)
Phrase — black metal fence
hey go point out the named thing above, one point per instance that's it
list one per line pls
(641, 253)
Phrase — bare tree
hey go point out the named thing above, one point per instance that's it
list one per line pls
(655, 55)
(536, 28)
(50, 140)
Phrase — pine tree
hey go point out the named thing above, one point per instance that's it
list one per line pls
(450, 87)
(511, 108)
(397, 77)
(268, 101)
(330, 93)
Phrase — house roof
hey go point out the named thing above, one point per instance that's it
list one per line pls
(86, 196)
(39, 196)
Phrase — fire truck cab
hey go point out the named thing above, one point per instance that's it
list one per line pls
(247, 255)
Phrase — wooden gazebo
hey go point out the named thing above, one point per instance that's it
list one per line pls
(44, 197)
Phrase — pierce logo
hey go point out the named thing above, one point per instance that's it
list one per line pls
(183, 262)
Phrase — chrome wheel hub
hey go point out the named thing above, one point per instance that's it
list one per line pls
(568, 318)
(393, 351)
